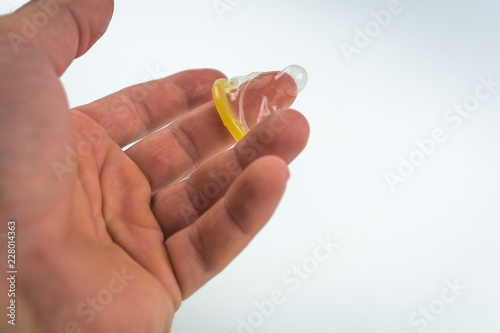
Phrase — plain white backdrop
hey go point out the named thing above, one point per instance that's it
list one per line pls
(422, 256)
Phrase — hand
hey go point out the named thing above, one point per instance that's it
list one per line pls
(111, 240)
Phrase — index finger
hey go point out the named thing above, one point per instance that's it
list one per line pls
(134, 112)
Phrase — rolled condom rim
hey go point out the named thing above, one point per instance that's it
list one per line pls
(222, 87)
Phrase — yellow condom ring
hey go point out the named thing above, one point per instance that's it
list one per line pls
(219, 92)
(222, 87)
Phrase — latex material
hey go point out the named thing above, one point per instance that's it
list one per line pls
(229, 97)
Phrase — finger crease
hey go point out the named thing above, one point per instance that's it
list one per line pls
(197, 242)
(186, 143)
(231, 217)
(140, 109)
(192, 192)
(78, 28)
(238, 160)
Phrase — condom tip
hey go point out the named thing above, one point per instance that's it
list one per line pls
(299, 75)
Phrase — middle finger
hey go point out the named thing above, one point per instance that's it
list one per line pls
(173, 153)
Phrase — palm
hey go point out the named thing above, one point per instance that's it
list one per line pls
(115, 239)
(103, 248)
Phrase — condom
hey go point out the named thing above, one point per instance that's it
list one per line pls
(244, 101)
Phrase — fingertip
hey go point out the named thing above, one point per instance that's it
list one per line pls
(70, 29)
(293, 138)
(276, 168)
(299, 121)
(205, 75)
(255, 195)
(97, 18)
(198, 83)
(301, 128)
(215, 74)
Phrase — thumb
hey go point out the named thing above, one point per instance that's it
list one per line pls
(62, 29)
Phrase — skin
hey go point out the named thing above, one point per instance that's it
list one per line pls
(166, 215)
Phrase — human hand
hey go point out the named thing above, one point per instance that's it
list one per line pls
(111, 240)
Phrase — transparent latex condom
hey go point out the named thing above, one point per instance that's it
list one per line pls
(244, 101)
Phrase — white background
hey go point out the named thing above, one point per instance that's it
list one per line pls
(396, 247)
